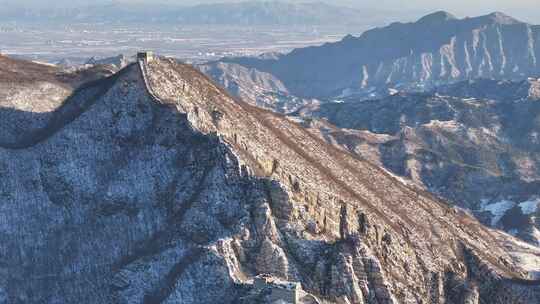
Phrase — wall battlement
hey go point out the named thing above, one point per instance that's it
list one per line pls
(145, 56)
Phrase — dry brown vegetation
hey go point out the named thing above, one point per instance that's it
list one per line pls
(26, 72)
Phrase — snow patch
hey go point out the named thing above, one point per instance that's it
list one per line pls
(497, 209)
(530, 206)
(295, 119)
(401, 179)
(450, 125)
(44, 63)
(392, 92)
(524, 254)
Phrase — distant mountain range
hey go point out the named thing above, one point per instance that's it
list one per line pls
(437, 49)
(242, 13)
(476, 143)
(452, 104)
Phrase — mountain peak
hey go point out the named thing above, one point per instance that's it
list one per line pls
(501, 18)
(437, 17)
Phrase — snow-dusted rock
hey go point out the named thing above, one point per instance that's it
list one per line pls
(166, 190)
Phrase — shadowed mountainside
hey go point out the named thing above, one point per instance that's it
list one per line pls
(165, 189)
(27, 88)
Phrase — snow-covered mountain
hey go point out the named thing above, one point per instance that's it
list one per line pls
(438, 48)
(475, 143)
(152, 185)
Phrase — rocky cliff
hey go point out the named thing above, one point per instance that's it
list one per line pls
(438, 48)
(474, 143)
(163, 189)
(259, 88)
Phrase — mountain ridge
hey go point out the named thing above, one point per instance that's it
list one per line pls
(433, 50)
(256, 13)
(274, 128)
(198, 192)
(474, 143)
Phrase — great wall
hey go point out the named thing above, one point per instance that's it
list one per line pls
(330, 206)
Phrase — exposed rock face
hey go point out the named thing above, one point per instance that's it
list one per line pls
(116, 62)
(262, 89)
(478, 148)
(491, 89)
(166, 190)
(436, 49)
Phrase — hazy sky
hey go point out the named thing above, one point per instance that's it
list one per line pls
(528, 10)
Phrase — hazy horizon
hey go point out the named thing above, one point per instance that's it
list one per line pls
(526, 10)
(53, 36)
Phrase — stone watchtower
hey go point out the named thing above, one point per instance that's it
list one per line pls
(278, 290)
(145, 57)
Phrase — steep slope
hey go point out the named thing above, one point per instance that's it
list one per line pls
(437, 48)
(478, 148)
(27, 87)
(167, 190)
(94, 212)
(261, 89)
